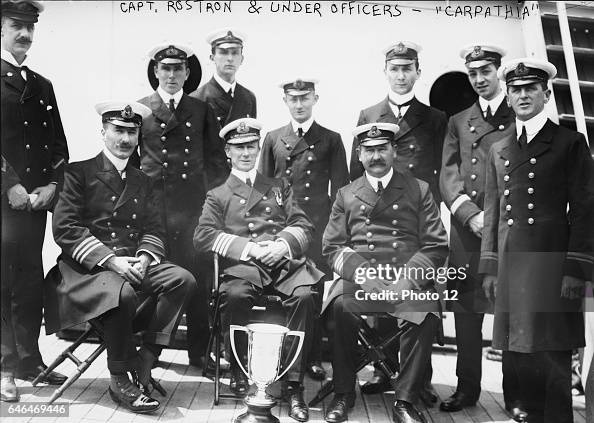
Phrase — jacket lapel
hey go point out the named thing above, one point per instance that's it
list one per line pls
(477, 125)
(291, 141)
(162, 112)
(536, 147)
(365, 192)
(32, 86)
(391, 194)
(260, 188)
(237, 187)
(132, 185)
(411, 119)
(10, 76)
(386, 114)
(108, 174)
(182, 112)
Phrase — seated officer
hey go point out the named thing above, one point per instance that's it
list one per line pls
(261, 233)
(383, 218)
(108, 223)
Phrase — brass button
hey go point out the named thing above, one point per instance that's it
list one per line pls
(186, 151)
(28, 170)
(163, 138)
(108, 223)
(373, 261)
(268, 210)
(394, 233)
(472, 129)
(508, 207)
(44, 170)
(307, 185)
(530, 190)
(26, 123)
(113, 198)
(371, 247)
(309, 158)
(288, 158)
(311, 147)
(501, 127)
(9, 74)
(533, 161)
(395, 206)
(474, 160)
(506, 192)
(184, 176)
(28, 147)
(394, 259)
(164, 151)
(46, 147)
(165, 164)
(40, 101)
(270, 221)
(306, 199)
(114, 248)
(510, 222)
(136, 201)
(506, 178)
(242, 201)
(188, 124)
(288, 171)
(308, 171)
(530, 206)
(131, 236)
(394, 245)
(473, 193)
(411, 166)
(531, 175)
(369, 235)
(530, 221)
(133, 216)
(474, 145)
(115, 214)
(163, 125)
(254, 235)
(188, 138)
(127, 226)
(368, 221)
(506, 164)
(247, 214)
(362, 207)
(264, 198)
(394, 222)
(185, 164)
(411, 146)
(473, 177)
(113, 234)
(251, 225)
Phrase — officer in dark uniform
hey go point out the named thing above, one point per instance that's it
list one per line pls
(109, 226)
(182, 153)
(312, 158)
(469, 137)
(389, 219)
(254, 223)
(34, 152)
(536, 250)
(418, 144)
(228, 99)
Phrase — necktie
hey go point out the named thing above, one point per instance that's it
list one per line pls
(380, 188)
(248, 182)
(24, 72)
(523, 140)
(172, 105)
(300, 132)
(230, 92)
(488, 114)
(400, 106)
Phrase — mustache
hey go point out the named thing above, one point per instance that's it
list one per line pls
(377, 162)
(24, 40)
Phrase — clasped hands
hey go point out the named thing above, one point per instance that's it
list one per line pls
(132, 269)
(377, 285)
(268, 252)
(19, 199)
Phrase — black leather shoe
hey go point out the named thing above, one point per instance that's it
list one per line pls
(338, 409)
(298, 409)
(8, 389)
(517, 411)
(428, 395)
(239, 383)
(129, 396)
(53, 378)
(456, 402)
(405, 412)
(377, 384)
(316, 371)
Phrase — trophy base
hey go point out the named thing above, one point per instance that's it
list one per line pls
(257, 414)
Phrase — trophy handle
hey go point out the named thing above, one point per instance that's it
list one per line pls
(300, 335)
(232, 329)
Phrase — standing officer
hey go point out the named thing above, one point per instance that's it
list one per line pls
(182, 153)
(469, 137)
(418, 144)
(228, 99)
(109, 225)
(422, 128)
(384, 218)
(253, 222)
(536, 252)
(312, 158)
(34, 152)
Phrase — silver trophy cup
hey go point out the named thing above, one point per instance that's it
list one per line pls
(265, 346)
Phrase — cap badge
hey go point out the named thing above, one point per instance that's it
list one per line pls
(299, 84)
(477, 51)
(127, 112)
(242, 128)
(171, 51)
(229, 35)
(374, 132)
(400, 48)
(521, 69)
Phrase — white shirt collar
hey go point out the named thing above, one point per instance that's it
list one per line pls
(7, 56)
(494, 103)
(305, 125)
(224, 84)
(533, 125)
(120, 164)
(400, 99)
(244, 175)
(385, 179)
(165, 96)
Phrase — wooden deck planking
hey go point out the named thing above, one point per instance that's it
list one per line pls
(190, 395)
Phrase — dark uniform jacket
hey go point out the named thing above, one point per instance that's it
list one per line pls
(98, 214)
(235, 214)
(466, 147)
(309, 164)
(400, 228)
(418, 142)
(33, 140)
(227, 108)
(183, 155)
(530, 240)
